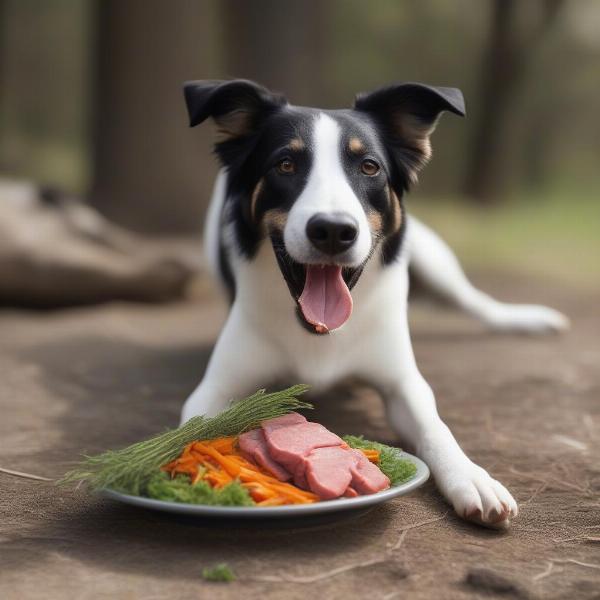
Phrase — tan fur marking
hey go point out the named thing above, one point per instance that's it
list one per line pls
(254, 198)
(356, 146)
(296, 144)
(275, 219)
(233, 124)
(416, 134)
(375, 221)
(396, 211)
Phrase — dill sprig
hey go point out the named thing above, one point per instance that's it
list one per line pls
(129, 469)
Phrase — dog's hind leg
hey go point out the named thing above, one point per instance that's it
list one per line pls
(434, 264)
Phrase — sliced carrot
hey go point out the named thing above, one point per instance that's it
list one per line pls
(371, 454)
(224, 445)
(295, 493)
(219, 461)
(262, 490)
(230, 466)
(272, 502)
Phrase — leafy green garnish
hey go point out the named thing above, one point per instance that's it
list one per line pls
(129, 470)
(221, 573)
(391, 462)
(180, 489)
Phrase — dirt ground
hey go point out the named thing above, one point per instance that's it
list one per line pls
(525, 408)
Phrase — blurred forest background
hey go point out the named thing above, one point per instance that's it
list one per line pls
(91, 102)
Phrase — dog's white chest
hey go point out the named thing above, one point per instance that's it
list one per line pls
(321, 360)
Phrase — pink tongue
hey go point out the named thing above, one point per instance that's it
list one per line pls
(325, 302)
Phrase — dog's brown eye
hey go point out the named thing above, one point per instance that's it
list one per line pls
(369, 167)
(286, 167)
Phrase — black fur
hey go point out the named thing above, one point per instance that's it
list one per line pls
(371, 191)
(389, 107)
(269, 148)
(393, 125)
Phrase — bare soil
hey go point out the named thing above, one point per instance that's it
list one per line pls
(526, 408)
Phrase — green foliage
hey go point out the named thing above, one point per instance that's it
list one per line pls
(551, 235)
(129, 470)
(179, 489)
(221, 573)
(391, 461)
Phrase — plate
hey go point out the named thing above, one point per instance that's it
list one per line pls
(291, 511)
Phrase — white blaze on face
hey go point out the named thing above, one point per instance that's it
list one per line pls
(327, 191)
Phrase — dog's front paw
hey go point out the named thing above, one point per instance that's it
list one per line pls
(478, 497)
(527, 318)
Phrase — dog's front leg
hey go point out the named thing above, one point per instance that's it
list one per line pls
(412, 413)
(242, 361)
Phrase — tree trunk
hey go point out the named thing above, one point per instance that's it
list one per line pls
(501, 71)
(44, 66)
(505, 63)
(278, 44)
(152, 172)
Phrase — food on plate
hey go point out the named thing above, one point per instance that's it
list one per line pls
(259, 452)
(219, 463)
(130, 469)
(319, 460)
(287, 460)
(253, 444)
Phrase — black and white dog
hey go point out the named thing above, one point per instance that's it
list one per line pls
(307, 231)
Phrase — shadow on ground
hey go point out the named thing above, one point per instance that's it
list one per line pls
(106, 387)
(84, 381)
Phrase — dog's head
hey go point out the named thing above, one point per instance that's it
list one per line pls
(325, 186)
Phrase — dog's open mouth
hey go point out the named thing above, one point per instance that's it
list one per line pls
(322, 292)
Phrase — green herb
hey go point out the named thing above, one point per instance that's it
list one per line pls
(129, 470)
(221, 573)
(391, 461)
(179, 489)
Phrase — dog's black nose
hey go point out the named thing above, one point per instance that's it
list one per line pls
(332, 233)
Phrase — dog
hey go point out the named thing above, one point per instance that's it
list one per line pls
(308, 233)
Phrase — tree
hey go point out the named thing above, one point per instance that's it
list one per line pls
(279, 44)
(151, 172)
(506, 61)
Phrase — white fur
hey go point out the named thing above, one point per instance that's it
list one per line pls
(262, 341)
(212, 227)
(327, 191)
(435, 265)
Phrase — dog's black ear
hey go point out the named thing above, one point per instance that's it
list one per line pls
(407, 114)
(237, 106)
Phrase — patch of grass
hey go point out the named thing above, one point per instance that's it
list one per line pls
(221, 573)
(553, 234)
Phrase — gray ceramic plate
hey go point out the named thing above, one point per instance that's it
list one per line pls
(277, 512)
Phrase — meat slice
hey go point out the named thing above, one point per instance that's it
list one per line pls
(253, 444)
(292, 418)
(328, 471)
(289, 445)
(300, 475)
(316, 459)
(367, 478)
